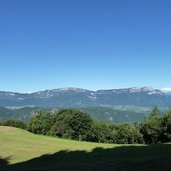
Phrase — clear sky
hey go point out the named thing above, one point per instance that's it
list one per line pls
(92, 44)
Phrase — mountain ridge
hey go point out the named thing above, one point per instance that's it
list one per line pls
(78, 97)
(133, 89)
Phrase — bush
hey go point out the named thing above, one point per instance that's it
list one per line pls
(14, 123)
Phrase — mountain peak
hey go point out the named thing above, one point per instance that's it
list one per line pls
(72, 89)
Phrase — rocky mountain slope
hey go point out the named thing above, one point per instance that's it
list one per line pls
(76, 97)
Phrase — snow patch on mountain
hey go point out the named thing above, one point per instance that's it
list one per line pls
(166, 90)
(140, 89)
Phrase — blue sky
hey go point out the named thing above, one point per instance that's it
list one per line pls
(92, 44)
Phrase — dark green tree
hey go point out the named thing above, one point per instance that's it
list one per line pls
(152, 129)
(41, 123)
(166, 127)
(72, 124)
(128, 134)
(99, 132)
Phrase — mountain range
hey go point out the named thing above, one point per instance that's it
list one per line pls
(77, 97)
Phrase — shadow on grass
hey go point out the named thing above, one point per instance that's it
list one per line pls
(124, 158)
(4, 163)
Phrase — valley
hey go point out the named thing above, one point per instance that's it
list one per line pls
(115, 105)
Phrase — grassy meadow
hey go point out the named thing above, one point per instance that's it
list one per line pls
(22, 150)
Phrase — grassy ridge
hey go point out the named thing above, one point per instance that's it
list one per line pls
(21, 150)
(21, 145)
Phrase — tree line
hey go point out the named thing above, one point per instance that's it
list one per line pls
(77, 125)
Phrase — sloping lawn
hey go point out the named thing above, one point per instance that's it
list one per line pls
(22, 150)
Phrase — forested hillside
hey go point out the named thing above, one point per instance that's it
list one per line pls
(105, 114)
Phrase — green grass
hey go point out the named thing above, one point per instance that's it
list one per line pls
(21, 150)
(23, 145)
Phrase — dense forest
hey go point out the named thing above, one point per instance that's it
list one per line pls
(78, 125)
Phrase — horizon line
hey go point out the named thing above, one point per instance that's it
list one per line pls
(164, 89)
